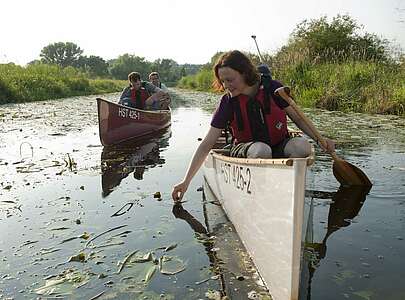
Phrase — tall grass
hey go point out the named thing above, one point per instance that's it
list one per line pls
(341, 83)
(346, 85)
(41, 82)
(202, 81)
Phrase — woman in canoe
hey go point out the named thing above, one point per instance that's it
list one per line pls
(143, 95)
(257, 119)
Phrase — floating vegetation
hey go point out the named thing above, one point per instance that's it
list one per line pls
(123, 209)
(32, 149)
(64, 283)
(26, 243)
(81, 257)
(342, 276)
(169, 265)
(108, 245)
(127, 258)
(213, 295)
(29, 168)
(59, 228)
(84, 236)
(149, 274)
(170, 247)
(141, 259)
(45, 251)
(69, 162)
(97, 296)
(367, 295)
(104, 232)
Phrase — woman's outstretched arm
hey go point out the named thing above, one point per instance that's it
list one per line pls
(198, 158)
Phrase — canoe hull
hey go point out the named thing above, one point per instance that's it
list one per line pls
(264, 199)
(118, 123)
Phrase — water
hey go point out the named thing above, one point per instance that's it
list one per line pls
(59, 184)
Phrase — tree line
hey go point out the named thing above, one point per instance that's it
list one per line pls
(68, 54)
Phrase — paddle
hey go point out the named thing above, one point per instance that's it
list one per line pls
(345, 173)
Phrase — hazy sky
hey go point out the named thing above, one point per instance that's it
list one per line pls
(184, 30)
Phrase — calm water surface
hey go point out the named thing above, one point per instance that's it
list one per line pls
(71, 211)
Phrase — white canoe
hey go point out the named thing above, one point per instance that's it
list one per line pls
(264, 199)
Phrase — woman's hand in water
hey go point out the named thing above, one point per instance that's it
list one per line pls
(179, 190)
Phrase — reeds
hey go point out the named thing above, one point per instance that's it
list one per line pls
(42, 82)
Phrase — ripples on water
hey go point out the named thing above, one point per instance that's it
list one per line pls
(58, 184)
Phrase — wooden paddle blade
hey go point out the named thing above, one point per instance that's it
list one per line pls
(349, 175)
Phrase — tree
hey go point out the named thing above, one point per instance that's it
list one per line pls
(127, 63)
(336, 40)
(62, 54)
(169, 70)
(94, 65)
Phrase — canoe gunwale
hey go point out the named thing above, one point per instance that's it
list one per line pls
(153, 112)
(216, 153)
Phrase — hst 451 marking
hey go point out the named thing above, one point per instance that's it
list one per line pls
(128, 113)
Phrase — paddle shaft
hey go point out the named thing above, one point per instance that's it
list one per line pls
(284, 93)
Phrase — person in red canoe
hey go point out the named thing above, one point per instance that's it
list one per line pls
(257, 118)
(143, 95)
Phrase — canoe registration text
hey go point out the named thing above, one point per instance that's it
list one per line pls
(237, 176)
(128, 113)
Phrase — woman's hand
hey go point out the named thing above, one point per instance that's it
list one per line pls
(329, 145)
(179, 190)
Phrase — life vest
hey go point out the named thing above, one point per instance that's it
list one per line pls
(139, 97)
(255, 120)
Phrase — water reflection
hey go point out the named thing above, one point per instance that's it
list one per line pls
(119, 161)
(207, 239)
(345, 206)
(229, 259)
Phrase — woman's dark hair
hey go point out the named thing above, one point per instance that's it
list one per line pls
(239, 62)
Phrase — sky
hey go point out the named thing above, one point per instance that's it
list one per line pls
(186, 31)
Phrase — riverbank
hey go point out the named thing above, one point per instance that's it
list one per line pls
(42, 82)
(352, 86)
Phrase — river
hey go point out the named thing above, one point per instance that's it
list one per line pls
(79, 222)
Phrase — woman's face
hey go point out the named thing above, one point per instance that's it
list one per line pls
(136, 84)
(232, 81)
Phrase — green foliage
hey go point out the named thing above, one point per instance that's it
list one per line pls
(336, 40)
(202, 81)
(168, 69)
(62, 54)
(351, 86)
(329, 65)
(67, 54)
(41, 82)
(127, 63)
(93, 65)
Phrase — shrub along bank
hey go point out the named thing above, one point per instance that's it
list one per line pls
(331, 65)
(42, 82)
(356, 86)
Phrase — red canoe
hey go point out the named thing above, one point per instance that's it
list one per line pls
(118, 123)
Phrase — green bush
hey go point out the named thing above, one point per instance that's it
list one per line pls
(41, 82)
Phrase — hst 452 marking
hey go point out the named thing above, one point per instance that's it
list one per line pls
(238, 176)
